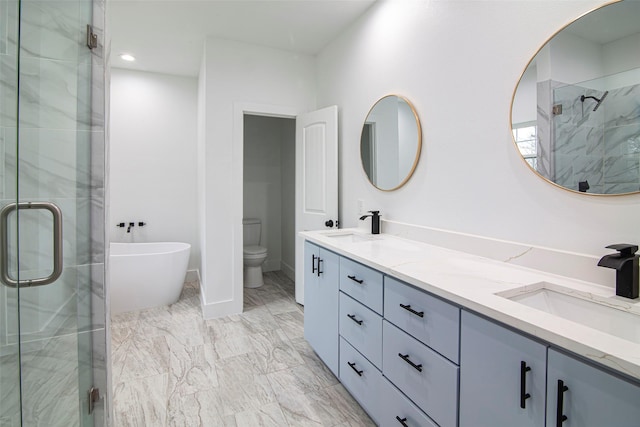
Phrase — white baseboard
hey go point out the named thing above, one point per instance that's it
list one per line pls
(288, 271)
(219, 309)
(192, 276)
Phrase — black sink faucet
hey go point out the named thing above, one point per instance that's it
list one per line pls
(375, 221)
(626, 264)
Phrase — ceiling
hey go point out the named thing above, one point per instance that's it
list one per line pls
(168, 36)
(608, 24)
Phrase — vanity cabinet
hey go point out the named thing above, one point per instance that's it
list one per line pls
(396, 410)
(588, 396)
(501, 371)
(432, 321)
(361, 378)
(502, 376)
(321, 285)
(360, 326)
(427, 378)
(414, 359)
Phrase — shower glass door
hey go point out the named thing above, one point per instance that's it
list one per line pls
(52, 321)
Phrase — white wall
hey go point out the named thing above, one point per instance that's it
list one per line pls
(238, 76)
(288, 189)
(153, 158)
(459, 62)
(264, 173)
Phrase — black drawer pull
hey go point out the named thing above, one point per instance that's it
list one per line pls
(560, 417)
(402, 421)
(355, 280)
(405, 357)
(409, 309)
(313, 263)
(319, 272)
(353, 366)
(353, 317)
(523, 383)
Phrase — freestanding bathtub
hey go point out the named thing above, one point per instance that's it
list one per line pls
(145, 275)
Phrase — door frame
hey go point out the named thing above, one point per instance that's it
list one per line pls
(240, 109)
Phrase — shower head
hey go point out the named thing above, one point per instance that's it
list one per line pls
(599, 101)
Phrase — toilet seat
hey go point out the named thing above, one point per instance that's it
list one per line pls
(254, 251)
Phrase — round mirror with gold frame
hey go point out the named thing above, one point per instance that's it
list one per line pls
(390, 142)
(575, 113)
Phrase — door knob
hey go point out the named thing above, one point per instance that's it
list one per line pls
(329, 223)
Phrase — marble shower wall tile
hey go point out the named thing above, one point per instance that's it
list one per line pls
(10, 390)
(50, 384)
(9, 25)
(54, 164)
(49, 94)
(90, 297)
(545, 143)
(55, 29)
(47, 311)
(600, 146)
(8, 90)
(622, 107)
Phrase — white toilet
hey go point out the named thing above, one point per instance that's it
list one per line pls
(253, 254)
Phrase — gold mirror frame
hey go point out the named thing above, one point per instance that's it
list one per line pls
(522, 75)
(418, 147)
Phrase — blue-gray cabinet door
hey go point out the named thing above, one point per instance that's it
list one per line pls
(494, 381)
(321, 283)
(592, 398)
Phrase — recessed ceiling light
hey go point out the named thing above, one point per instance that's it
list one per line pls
(127, 57)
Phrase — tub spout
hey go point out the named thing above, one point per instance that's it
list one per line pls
(131, 224)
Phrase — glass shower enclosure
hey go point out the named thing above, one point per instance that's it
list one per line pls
(52, 237)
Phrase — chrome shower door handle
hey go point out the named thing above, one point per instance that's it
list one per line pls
(57, 244)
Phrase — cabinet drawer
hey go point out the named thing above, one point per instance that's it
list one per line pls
(362, 328)
(425, 317)
(427, 378)
(361, 378)
(397, 409)
(362, 283)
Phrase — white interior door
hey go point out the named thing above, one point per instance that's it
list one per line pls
(316, 179)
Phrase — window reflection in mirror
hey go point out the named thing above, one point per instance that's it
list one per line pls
(390, 142)
(579, 102)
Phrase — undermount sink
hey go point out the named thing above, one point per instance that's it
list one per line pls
(348, 236)
(606, 314)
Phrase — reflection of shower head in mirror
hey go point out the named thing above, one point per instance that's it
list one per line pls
(599, 101)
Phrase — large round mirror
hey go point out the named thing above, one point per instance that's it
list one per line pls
(390, 142)
(576, 110)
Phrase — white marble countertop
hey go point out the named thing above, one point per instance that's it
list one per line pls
(473, 282)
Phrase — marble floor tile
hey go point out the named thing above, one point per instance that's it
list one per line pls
(141, 401)
(170, 367)
(291, 323)
(274, 352)
(191, 369)
(195, 410)
(267, 416)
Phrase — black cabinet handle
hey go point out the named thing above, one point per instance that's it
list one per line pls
(405, 357)
(355, 280)
(402, 421)
(328, 223)
(313, 263)
(560, 417)
(523, 383)
(353, 317)
(319, 261)
(409, 309)
(353, 366)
